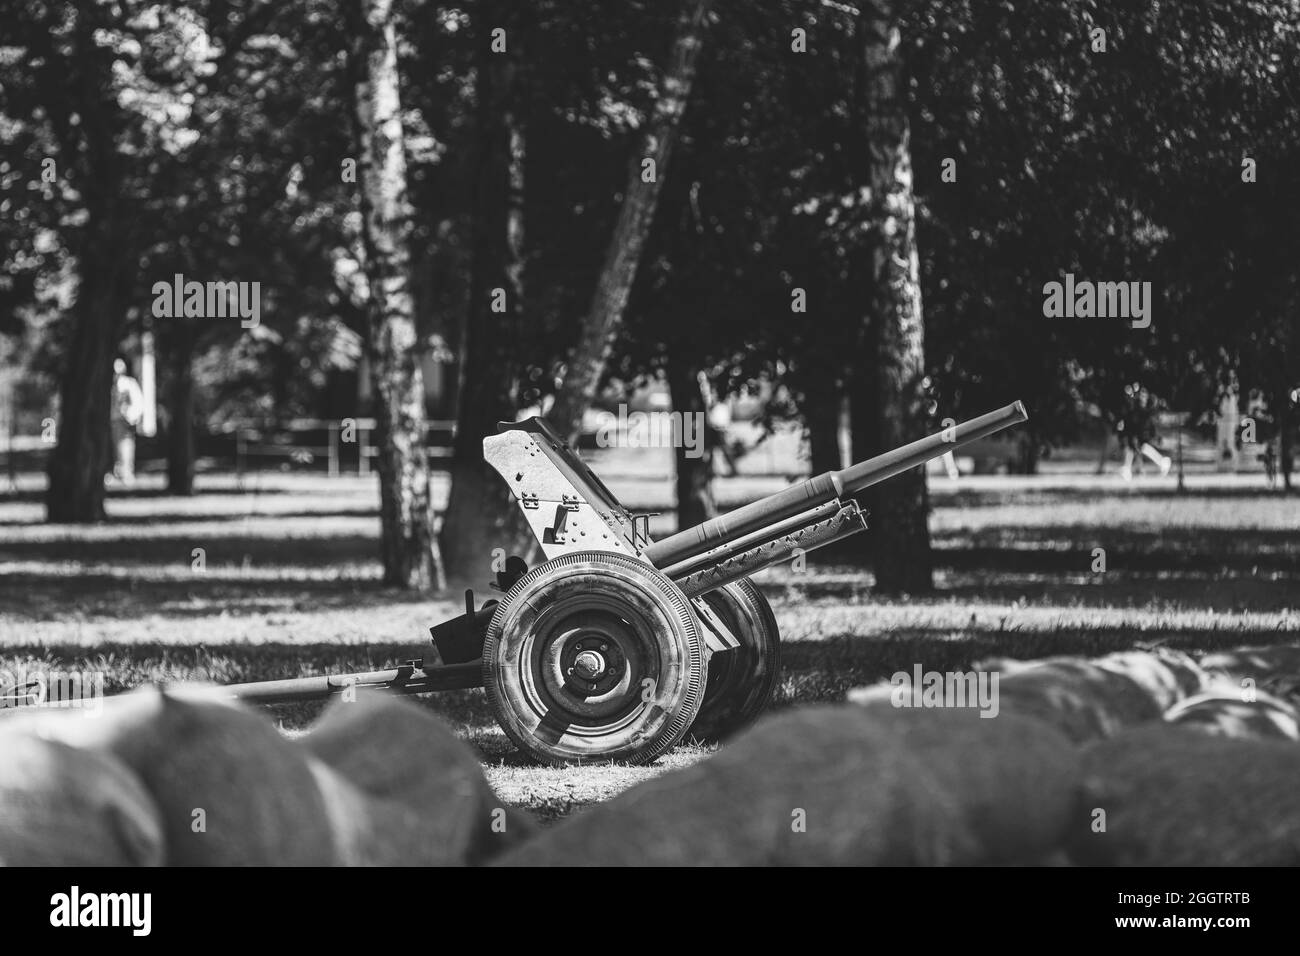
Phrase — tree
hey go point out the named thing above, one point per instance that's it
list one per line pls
(623, 255)
(480, 514)
(406, 513)
(76, 72)
(894, 328)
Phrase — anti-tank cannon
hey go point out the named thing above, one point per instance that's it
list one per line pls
(616, 646)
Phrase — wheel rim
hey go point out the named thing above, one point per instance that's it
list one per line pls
(583, 663)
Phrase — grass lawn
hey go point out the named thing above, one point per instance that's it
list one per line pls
(290, 588)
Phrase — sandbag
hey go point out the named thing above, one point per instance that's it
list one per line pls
(1222, 711)
(1173, 796)
(1258, 662)
(1275, 668)
(1091, 699)
(231, 790)
(399, 753)
(367, 830)
(841, 785)
(63, 806)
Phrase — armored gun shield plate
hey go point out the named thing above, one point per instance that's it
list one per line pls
(741, 682)
(594, 655)
(567, 507)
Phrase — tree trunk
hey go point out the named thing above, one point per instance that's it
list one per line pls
(1028, 455)
(821, 417)
(83, 453)
(1284, 439)
(1182, 486)
(623, 255)
(407, 545)
(1105, 447)
(900, 507)
(481, 515)
(180, 420)
(81, 458)
(693, 466)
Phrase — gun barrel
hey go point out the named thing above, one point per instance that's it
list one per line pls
(891, 463)
(821, 489)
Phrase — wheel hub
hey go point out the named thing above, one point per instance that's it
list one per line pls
(592, 663)
(585, 667)
(589, 665)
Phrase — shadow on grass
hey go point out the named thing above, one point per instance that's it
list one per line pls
(175, 548)
(1192, 553)
(1214, 589)
(1068, 548)
(1138, 537)
(1008, 548)
(1102, 492)
(37, 495)
(162, 518)
(111, 596)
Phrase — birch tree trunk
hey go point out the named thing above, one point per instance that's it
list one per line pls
(407, 546)
(895, 328)
(623, 255)
(481, 516)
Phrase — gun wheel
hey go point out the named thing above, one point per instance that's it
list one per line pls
(741, 682)
(594, 655)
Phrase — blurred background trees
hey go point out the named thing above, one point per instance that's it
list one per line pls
(211, 138)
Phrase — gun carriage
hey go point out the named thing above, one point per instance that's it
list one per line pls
(617, 646)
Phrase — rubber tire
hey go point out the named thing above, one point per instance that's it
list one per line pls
(666, 633)
(741, 682)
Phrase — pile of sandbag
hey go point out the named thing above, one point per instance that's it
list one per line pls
(1139, 758)
(1142, 758)
(840, 785)
(190, 779)
(1169, 795)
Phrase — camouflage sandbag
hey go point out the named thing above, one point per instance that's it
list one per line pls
(64, 806)
(1275, 668)
(231, 790)
(841, 785)
(1088, 699)
(430, 781)
(1166, 795)
(1225, 711)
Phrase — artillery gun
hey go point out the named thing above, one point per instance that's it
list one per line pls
(616, 647)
